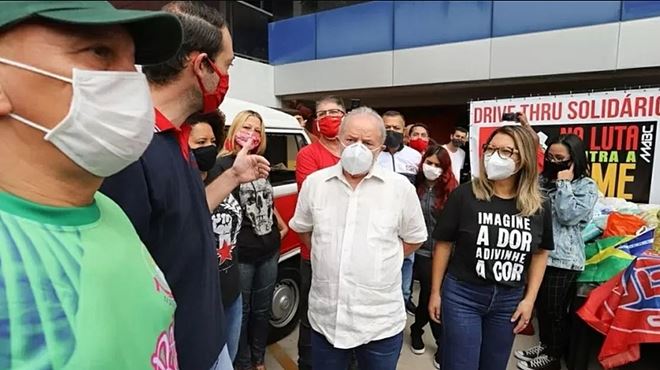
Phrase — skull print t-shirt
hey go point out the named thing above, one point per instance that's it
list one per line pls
(259, 237)
(493, 242)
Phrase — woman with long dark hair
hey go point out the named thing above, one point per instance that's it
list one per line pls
(566, 182)
(498, 231)
(434, 182)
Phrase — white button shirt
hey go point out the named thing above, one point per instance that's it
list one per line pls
(357, 252)
(406, 161)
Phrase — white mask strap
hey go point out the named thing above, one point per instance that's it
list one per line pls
(35, 70)
(29, 123)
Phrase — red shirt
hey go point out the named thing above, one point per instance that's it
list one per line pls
(182, 134)
(310, 159)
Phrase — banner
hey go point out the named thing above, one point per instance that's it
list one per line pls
(619, 130)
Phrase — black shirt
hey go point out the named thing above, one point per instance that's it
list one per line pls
(259, 238)
(493, 243)
(164, 198)
(226, 220)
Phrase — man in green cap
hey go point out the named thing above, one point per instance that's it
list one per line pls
(78, 290)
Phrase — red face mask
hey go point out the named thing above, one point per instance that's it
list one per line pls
(419, 144)
(328, 126)
(212, 99)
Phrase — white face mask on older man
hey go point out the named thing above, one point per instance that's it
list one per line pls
(357, 159)
(110, 120)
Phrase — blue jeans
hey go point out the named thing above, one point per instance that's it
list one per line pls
(223, 362)
(477, 332)
(233, 320)
(407, 276)
(257, 283)
(381, 354)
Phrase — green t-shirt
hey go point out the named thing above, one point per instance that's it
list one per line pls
(78, 290)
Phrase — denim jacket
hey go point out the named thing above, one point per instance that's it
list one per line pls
(572, 209)
(427, 200)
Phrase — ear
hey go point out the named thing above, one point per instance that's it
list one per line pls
(197, 62)
(5, 103)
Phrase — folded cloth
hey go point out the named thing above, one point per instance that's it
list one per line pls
(626, 309)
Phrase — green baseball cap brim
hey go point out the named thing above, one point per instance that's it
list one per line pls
(157, 35)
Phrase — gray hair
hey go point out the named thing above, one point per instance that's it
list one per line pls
(364, 112)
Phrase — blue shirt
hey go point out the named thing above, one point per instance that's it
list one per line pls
(163, 196)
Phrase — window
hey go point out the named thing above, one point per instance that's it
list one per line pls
(281, 152)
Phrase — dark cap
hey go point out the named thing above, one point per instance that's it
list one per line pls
(157, 35)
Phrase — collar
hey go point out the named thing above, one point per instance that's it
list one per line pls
(337, 172)
(163, 124)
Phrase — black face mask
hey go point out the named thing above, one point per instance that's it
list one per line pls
(551, 169)
(457, 143)
(205, 157)
(393, 139)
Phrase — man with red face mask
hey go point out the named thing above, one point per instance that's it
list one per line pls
(163, 195)
(318, 155)
(419, 137)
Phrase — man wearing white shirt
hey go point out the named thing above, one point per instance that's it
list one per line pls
(360, 221)
(456, 141)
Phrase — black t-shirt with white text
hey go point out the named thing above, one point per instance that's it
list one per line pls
(493, 242)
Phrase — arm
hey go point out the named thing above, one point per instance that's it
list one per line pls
(525, 123)
(306, 238)
(412, 227)
(408, 249)
(441, 254)
(574, 204)
(302, 221)
(536, 270)
(445, 233)
(281, 225)
(247, 167)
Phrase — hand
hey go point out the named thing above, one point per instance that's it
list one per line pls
(523, 314)
(567, 175)
(434, 307)
(249, 167)
(523, 119)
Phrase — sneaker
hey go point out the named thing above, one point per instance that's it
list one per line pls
(543, 362)
(410, 308)
(436, 360)
(530, 353)
(417, 344)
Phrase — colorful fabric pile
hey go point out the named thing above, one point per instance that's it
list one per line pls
(620, 254)
(626, 310)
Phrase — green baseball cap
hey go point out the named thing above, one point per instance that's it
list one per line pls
(157, 35)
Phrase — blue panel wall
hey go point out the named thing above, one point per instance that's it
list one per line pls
(387, 25)
(292, 40)
(421, 23)
(640, 9)
(517, 17)
(357, 29)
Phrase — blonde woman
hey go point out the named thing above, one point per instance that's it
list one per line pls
(258, 241)
(500, 230)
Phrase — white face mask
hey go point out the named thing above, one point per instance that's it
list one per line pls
(110, 120)
(498, 168)
(431, 172)
(357, 159)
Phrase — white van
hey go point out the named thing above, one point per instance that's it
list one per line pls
(284, 138)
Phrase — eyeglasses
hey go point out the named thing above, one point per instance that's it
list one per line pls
(504, 152)
(330, 112)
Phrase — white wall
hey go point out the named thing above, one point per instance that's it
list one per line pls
(574, 50)
(253, 82)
